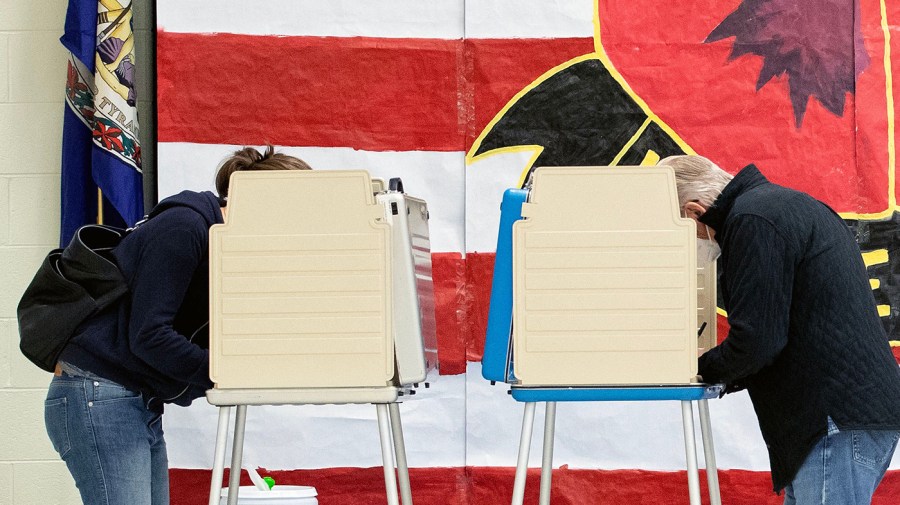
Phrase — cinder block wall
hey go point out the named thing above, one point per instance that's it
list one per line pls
(32, 83)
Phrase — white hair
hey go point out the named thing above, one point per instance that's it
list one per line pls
(697, 179)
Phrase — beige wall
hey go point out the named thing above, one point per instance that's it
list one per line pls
(32, 80)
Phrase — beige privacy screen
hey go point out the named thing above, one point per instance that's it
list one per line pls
(706, 304)
(300, 283)
(604, 280)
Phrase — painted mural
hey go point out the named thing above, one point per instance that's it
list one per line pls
(462, 99)
(583, 112)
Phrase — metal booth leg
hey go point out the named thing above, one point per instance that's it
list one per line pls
(709, 453)
(237, 454)
(384, 432)
(400, 453)
(524, 448)
(215, 485)
(547, 463)
(690, 449)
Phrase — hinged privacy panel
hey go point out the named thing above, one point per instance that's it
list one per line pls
(605, 280)
(300, 283)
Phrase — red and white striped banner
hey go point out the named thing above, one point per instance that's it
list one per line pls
(404, 88)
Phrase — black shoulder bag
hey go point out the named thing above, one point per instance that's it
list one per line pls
(71, 284)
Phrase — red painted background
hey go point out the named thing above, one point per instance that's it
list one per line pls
(438, 95)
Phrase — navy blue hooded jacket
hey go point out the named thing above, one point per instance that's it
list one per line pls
(155, 341)
(806, 339)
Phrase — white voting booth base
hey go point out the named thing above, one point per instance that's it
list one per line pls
(316, 297)
(596, 296)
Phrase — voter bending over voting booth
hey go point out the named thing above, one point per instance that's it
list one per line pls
(320, 293)
(592, 301)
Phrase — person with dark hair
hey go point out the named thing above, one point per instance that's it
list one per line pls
(105, 402)
(249, 158)
(806, 340)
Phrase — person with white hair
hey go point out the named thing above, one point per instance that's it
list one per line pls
(805, 337)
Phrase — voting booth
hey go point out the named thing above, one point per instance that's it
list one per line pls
(320, 293)
(597, 296)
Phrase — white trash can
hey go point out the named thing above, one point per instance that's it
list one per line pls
(278, 495)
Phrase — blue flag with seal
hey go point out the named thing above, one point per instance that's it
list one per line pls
(100, 124)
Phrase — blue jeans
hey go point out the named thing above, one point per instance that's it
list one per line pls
(111, 443)
(844, 468)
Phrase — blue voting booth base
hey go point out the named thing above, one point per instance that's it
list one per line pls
(617, 394)
(498, 366)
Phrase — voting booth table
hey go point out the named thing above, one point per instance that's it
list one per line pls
(320, 293)
(597, 296)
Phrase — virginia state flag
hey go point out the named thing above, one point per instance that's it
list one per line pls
(100, 125)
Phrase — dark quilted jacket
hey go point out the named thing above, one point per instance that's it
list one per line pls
(806, 340)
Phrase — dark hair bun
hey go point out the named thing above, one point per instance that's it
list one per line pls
(248, 158)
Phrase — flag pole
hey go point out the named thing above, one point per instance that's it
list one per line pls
(154, 107)
(99, 206)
